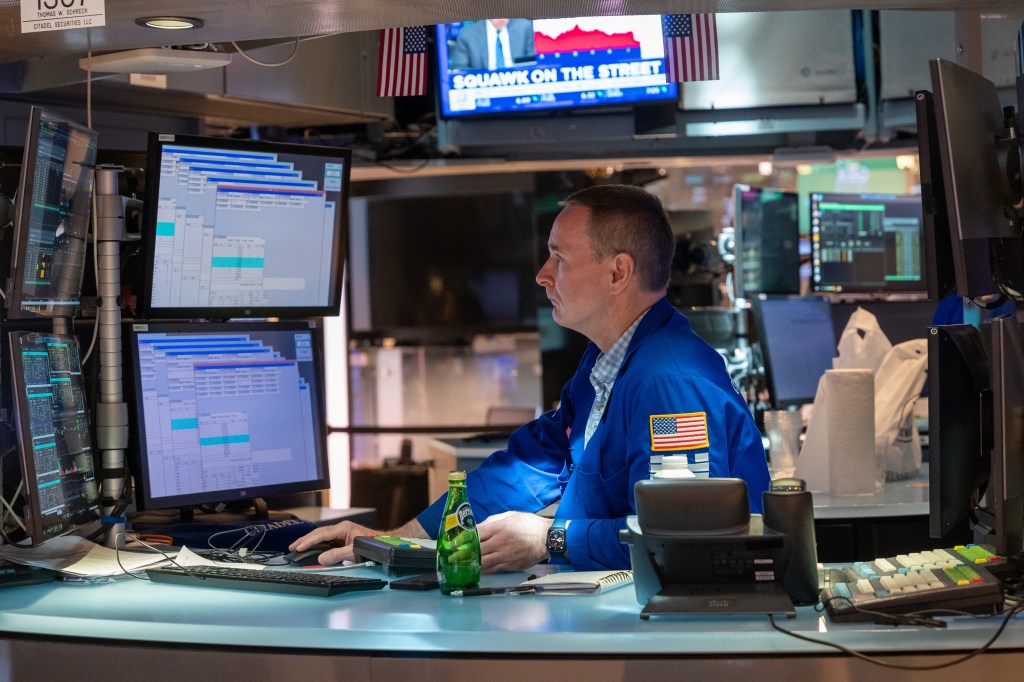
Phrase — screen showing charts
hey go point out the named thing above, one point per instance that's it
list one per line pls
(245, 229)
(866, 243)
(52, 218)
(228, 411)
(505, 65)
(61, 491)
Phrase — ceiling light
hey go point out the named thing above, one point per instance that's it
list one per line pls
(170, 23)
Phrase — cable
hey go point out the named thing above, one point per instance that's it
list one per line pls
(1010, 613)
(295, 51)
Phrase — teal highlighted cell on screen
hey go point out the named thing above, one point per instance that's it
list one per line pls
(224, 440)
(164, 229)
(183, 424)
(229, 262)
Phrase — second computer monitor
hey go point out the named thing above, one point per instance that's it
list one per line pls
(244, 228)
(866, 243)
(798, 343)
(228, 412)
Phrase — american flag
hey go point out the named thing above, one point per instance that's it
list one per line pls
(403, 62)
(679, 431)
(691, 47)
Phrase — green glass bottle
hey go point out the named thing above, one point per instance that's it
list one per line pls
(458, 541)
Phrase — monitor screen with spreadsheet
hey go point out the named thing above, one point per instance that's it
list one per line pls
(866, 243)
(51, 222)
(51, 413)
(227, 412)
(243, 228)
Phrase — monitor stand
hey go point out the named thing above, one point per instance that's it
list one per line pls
(719, 598)
(259, 512)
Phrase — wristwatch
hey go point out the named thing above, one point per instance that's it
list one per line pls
(556, 539)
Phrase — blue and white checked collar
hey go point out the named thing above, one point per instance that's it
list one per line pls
(606, 368)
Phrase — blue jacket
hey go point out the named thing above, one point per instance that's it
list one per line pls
(668, 372)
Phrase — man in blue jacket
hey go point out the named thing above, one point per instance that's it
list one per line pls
(647, 385)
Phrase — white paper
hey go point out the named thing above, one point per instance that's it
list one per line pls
(78, 556)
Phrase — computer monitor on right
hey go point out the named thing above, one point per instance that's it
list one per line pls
(865, 243)
(767, 240)
(970, 154)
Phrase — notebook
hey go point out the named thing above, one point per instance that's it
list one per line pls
(580, 582)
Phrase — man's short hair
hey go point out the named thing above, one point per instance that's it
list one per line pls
(627, 219)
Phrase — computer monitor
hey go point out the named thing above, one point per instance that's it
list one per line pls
(865, 243)
(470, 260)
(552, 64)
(767, 240)
(959, 425)
(227, 412)
(1001, 513)
(52, 423)
(51, 224)
(243, 228)
(977, 157)
(798, 343)
(939, 272)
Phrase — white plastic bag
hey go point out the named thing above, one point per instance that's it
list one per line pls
(898, 384)
(863, 344)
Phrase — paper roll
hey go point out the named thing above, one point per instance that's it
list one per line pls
(839, 455)
(853, 466)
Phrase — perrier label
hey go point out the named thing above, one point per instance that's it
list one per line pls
(458, 541)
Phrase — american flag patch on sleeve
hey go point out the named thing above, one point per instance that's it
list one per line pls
(679, 431)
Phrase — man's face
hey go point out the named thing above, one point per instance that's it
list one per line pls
(573, 279)
(499, 23)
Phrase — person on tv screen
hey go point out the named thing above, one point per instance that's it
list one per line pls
(647, 384)
(493, 44)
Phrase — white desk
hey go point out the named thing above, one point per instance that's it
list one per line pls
(131, 630)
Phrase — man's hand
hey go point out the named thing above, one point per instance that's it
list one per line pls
(513, 541)
(344, 534)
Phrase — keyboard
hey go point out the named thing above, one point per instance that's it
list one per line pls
(287, 582)
(954, 579)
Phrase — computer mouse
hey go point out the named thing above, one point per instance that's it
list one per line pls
(307, 557)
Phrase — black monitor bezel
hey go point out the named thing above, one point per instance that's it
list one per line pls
(959, 424)
(140, 465)
(889, 287)
(1004, 497)
(155, 146)
(33, 518)
(15, 285)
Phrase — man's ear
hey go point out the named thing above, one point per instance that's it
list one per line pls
(622, 272)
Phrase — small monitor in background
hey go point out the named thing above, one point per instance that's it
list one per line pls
(243, 228)
(52, 418)
(227, 412)
(866, 243)
(798, 344)
(768, 240)
(51, 224)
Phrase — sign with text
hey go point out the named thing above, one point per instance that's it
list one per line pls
(61, 15)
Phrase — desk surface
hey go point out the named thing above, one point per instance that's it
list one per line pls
(409, 622)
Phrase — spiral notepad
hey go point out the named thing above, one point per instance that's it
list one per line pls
(580, 582)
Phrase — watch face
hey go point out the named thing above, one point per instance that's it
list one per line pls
(556, 540)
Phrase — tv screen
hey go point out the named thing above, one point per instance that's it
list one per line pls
(866, 243)
(243, 228)
(227, 412)
(442, 268)
(495, 66)
(52, 213)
